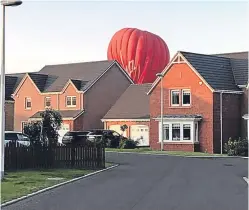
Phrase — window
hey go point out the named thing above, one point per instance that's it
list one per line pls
(196, 131)
(186, 97)
(186, 131)
(165, 131)
(28, 103)
(71, 101)
(176, 132)
(24, 124)
(183, 131)
(47, 101)
(175, 97)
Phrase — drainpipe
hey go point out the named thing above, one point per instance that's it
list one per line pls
(221, 124)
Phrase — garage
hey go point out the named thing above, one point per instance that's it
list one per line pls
(63, 130)
(118, 130)
(140, 133)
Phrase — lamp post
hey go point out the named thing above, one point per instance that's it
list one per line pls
(160, 76)
(2, 81)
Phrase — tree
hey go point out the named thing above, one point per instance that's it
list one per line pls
(123, 128)
(46, 130)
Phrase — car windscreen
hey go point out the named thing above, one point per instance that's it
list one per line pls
(11, 136)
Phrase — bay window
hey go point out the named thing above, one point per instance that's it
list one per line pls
(176, 132)
(179, 131)
(186, 132)
(165, 131)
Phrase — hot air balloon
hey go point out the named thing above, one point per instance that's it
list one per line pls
(141, 53)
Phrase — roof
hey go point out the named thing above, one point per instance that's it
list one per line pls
(236, 55)
(132, 104)
(227, 71)
(81, 74)
(216, 71)
(64, 113)
(10, 83)
(182, 116)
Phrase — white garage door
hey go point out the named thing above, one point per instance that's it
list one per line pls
(140, 133)
(117, 129)
(64, 128)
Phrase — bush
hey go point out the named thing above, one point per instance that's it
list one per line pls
(127, 143)
(237, 147)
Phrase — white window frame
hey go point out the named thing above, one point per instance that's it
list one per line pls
(26, 101)
(23, 125)
(71, 101)
(47, 97)
(171, 97)
(186, 90)
(193, 131)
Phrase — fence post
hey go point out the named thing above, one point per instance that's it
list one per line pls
(72, 155)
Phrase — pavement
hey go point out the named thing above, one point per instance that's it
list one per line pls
(151, 182)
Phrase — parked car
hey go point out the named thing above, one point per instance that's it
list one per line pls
(16, 137)
(111, 138)
(75, 137)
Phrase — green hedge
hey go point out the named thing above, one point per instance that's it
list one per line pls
(237, 147)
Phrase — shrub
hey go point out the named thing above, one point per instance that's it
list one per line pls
(237, 147)
(127, 143)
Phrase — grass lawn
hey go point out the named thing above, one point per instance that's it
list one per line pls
(17, 184)
(148, 150)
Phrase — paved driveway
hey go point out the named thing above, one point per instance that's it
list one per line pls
(144, 182)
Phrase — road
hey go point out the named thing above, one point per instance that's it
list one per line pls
(146, 182)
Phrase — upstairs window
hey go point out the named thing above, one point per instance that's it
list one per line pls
(28, 103)
(175, 97)
(47, 101)
(186, 98)
(71, 101)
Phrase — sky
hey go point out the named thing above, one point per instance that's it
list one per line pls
(40, 33)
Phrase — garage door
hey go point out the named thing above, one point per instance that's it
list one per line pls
(64, 128)
(140, 133)
(117, 129)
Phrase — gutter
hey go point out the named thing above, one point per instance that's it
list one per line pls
(229, 91)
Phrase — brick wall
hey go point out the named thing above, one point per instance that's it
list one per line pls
(9, 116)
(244, 110)
(180, 76)
(231, 112)
(102, 95)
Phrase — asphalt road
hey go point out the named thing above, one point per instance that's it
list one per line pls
(144, 182)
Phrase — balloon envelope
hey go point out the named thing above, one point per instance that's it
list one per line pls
(141, 53)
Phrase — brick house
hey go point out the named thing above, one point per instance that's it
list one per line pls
(81, 92)
(131, 109)
(204, 97)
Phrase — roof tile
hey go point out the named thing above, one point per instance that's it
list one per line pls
(132, 104)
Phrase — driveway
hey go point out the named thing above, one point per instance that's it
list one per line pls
(146, 182)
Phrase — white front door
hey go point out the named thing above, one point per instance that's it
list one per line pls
(118, 130)
(140, 133)
(63, 130)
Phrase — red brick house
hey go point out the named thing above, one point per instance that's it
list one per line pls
(81, 92)
(131, 109)
(10, 84)
(205, 97)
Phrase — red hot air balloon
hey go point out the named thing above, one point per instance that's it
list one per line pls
(141, 53)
